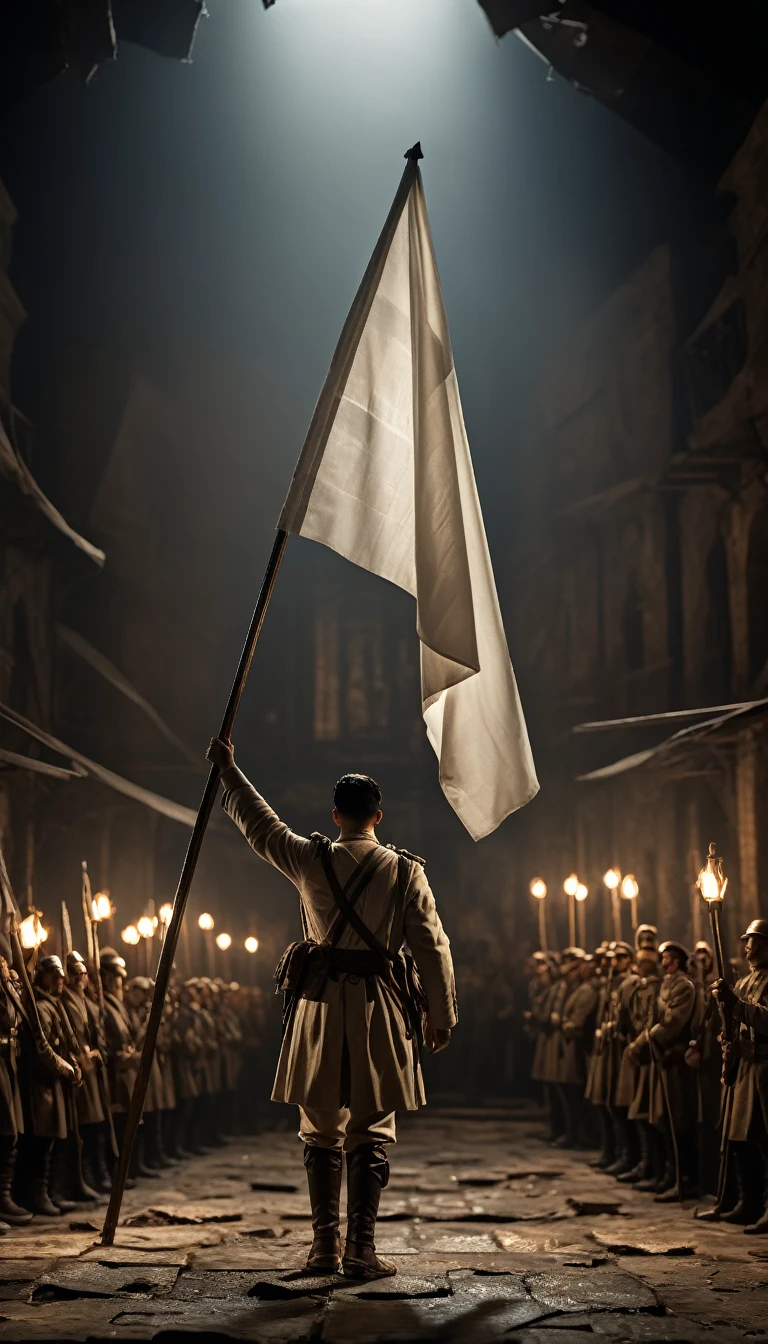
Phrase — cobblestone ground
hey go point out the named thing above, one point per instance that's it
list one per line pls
(495, 1235)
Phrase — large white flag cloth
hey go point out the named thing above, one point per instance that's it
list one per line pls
(385, 478)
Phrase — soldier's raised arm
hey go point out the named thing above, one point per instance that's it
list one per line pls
(431, 950)
(268, 836)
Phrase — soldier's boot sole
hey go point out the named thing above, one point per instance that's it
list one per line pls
(760, 1228)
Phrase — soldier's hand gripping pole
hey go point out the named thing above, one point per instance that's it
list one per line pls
(182, 892)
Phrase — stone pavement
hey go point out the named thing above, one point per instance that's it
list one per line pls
(496, 1236)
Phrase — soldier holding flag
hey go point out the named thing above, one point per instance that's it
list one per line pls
(350, 1055)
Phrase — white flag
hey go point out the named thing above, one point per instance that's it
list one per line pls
(385, 478)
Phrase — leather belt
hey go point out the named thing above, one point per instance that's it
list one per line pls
(361, 963)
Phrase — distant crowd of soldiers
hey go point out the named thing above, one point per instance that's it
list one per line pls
(643, 1052)
(70, 1045)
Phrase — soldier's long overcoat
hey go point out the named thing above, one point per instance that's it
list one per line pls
(186, 1047)
(595, 1086)
(138, 1018)
(551, 1060)
(88, 1104)
(357, 1017)
(636, 1072)
(577, 1017)
(750, 1093)
(11, 1017)
(44, 1100)
(121, 1064)
(669, 1037)
(540, 1010)
(603, 1073)
(165, 1038)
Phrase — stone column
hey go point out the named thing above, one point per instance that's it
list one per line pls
(737, 546)
(747, 905)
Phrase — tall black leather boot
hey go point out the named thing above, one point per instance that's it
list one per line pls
(667, 1181)
(138, 1166)
(95, 1171)
(568, 1137)
(656, 1160)
(77, 1186)
(59, 1176)
(748, 1203)
(197, 1118)
(367, 1176)
(643, 1168)
(10, 1211)
(760, 1227)
(621, 1161)
(151, 1155)
(607, 1152)
(39, 1198)
(323, 1167)
(166, 1158)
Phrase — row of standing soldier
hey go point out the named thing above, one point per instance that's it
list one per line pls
(644, 1050)
(68, 1061)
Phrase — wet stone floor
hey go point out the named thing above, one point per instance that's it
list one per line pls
(495, 1235)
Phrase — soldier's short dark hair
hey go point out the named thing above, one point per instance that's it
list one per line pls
(357, 796)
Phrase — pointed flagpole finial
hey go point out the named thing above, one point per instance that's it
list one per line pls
(414, 153)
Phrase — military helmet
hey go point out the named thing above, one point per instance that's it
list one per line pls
(758, 929)
(646, 935)
(621, 949)
(140, 982)
(680, 950)
(75, 964)
(49, 963)
(112, 963)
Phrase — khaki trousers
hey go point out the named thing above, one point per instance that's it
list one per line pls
(344, 1129)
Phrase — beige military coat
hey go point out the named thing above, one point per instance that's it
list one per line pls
(750, 1092)
(88, 1104)
(541, 1003)
(578, 1015)
(669, 1037)
(595, 1085)
(355, 1020)
(636, 1072)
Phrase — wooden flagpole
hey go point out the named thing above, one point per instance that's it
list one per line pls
(168, 953)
